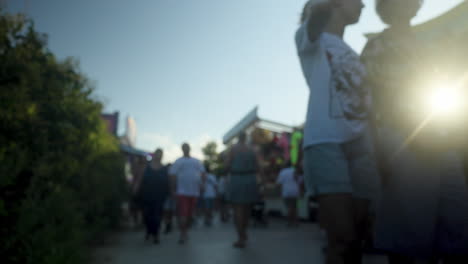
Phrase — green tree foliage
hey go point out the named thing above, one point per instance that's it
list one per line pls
(61, 178)
(212, 158)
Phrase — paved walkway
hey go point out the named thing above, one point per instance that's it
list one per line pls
(275, 244)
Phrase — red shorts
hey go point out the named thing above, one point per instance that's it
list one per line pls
(186, 205)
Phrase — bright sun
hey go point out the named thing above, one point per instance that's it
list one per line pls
(445, 100)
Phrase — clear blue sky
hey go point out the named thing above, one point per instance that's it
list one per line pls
(189, 70)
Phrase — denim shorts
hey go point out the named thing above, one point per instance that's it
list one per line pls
(346, 168)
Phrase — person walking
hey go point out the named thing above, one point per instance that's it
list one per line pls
(210, 191)
(153, 192)
(169, 211)
(290, 182)
(423, 215)
(243, 166)
(338, 159)
(187, 178)
(222, 200)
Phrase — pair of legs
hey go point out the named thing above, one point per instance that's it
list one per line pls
(199, 211)
(342, 175)
(168, 216)
(135, 212)
(346, 222)
(223, 208)
(208, 210)
(258, 213)
(169, 208)
(291, 204)
(205, 210)
(186, 207)
(241, 221)
(153, 213)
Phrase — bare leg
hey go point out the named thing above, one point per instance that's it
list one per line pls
(183, 225)
(246, 218)
(168, 221)
(239, 221)
(222, 210)
(183, 215)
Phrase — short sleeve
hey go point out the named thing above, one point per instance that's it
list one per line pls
(303, 43)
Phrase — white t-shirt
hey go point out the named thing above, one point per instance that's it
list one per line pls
(289, 185)
(210, 186)
(337, 98)
(188, 172)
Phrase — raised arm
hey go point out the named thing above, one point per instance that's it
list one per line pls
(317, 21)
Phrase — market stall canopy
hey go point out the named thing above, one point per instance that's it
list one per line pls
(252, 119)
(133, 151)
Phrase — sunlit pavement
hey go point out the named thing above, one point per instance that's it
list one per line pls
(274, 244)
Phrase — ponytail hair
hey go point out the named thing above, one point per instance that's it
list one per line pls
(307, 10)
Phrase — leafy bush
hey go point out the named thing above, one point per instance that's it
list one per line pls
(61, 179)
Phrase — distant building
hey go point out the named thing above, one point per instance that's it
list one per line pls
(129, 137)
(128, 140)
(252, 122)
(112, 122)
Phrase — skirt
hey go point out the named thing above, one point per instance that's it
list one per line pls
(243, 189)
